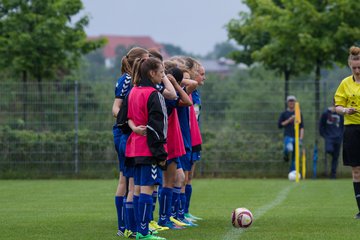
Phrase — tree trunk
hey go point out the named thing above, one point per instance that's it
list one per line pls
(286, 87)
(25, 90)
(41, 100)
(317, 99)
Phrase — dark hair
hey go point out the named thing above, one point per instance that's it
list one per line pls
(142, 67)
(128, 60)
(177, 74)
(155, 53)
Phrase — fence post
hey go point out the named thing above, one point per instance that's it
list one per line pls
(76, 151)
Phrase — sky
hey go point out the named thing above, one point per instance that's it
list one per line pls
(194, 25)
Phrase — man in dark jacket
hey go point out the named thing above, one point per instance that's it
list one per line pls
(331, 128)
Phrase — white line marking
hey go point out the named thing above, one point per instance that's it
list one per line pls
(235, 233)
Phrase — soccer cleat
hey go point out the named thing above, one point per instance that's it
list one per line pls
(189, 223)
(173, 226)
(178, 222)
(120, 233)
(129, 234)
(192, 217)
(357, 216)
(149, 237)
(153, 225)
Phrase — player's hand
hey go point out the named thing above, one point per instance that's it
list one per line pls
(140, 130)
(350, 111)
(171, 78)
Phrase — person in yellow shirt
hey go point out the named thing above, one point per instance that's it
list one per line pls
(347, 102)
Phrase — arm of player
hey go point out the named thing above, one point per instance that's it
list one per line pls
(140, 130)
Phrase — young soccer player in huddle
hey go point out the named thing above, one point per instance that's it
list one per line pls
(126, 217)
(175, 146)
(196, 139)
(146, 107)
(185, 160)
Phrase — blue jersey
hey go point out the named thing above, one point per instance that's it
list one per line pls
(123, 86)
(122, 89)
(196, 97)
(183, 114)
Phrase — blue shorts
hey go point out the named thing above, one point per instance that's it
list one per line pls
(147, 175)
(127, 171)
(117, 141)
(186, 161)
(195, 156)
(175, 160)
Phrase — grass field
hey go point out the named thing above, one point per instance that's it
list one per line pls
(84, 209)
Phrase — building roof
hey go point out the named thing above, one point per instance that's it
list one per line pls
(127, 41)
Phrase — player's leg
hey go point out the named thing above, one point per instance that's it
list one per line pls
(121, 187)
(195, 157)
(335, 158)
(356, 183)
(166, 194)
(131, 225)
(150, 176)
(119, 204)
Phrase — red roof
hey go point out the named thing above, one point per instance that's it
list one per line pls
(140, 41)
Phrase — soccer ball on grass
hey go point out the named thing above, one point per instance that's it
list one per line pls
(292, 175)
(241, 218)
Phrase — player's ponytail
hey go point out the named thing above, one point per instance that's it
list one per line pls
(128, 60)
(136, 71)
(142, 67)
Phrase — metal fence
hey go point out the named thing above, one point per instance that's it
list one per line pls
(56, 129)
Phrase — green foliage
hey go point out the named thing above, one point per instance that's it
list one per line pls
(50, 154)
(173, 50)
(40, 38)
(221, 50)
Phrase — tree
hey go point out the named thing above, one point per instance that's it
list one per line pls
(298, 36)
(173, 50)
(222, 50)
(38, 38)
(267, 37)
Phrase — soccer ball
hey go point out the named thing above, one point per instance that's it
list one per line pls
(241, 218)
(292, 175)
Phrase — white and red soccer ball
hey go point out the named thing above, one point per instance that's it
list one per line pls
(241, 218)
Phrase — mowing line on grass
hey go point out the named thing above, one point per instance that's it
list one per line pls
(234, 232)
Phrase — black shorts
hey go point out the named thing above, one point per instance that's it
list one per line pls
(351, 145)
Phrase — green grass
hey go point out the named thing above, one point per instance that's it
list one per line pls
(84, 209)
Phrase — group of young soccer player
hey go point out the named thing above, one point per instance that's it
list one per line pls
(158, 141)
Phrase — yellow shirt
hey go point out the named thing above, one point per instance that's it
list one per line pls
(348, 95)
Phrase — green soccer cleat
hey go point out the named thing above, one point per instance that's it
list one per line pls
(149, 237)
(192, 217)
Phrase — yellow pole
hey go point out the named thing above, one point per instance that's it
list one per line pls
(296, 125)
(303, 163)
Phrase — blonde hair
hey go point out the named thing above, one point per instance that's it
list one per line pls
(354, 54)
(190, 64)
